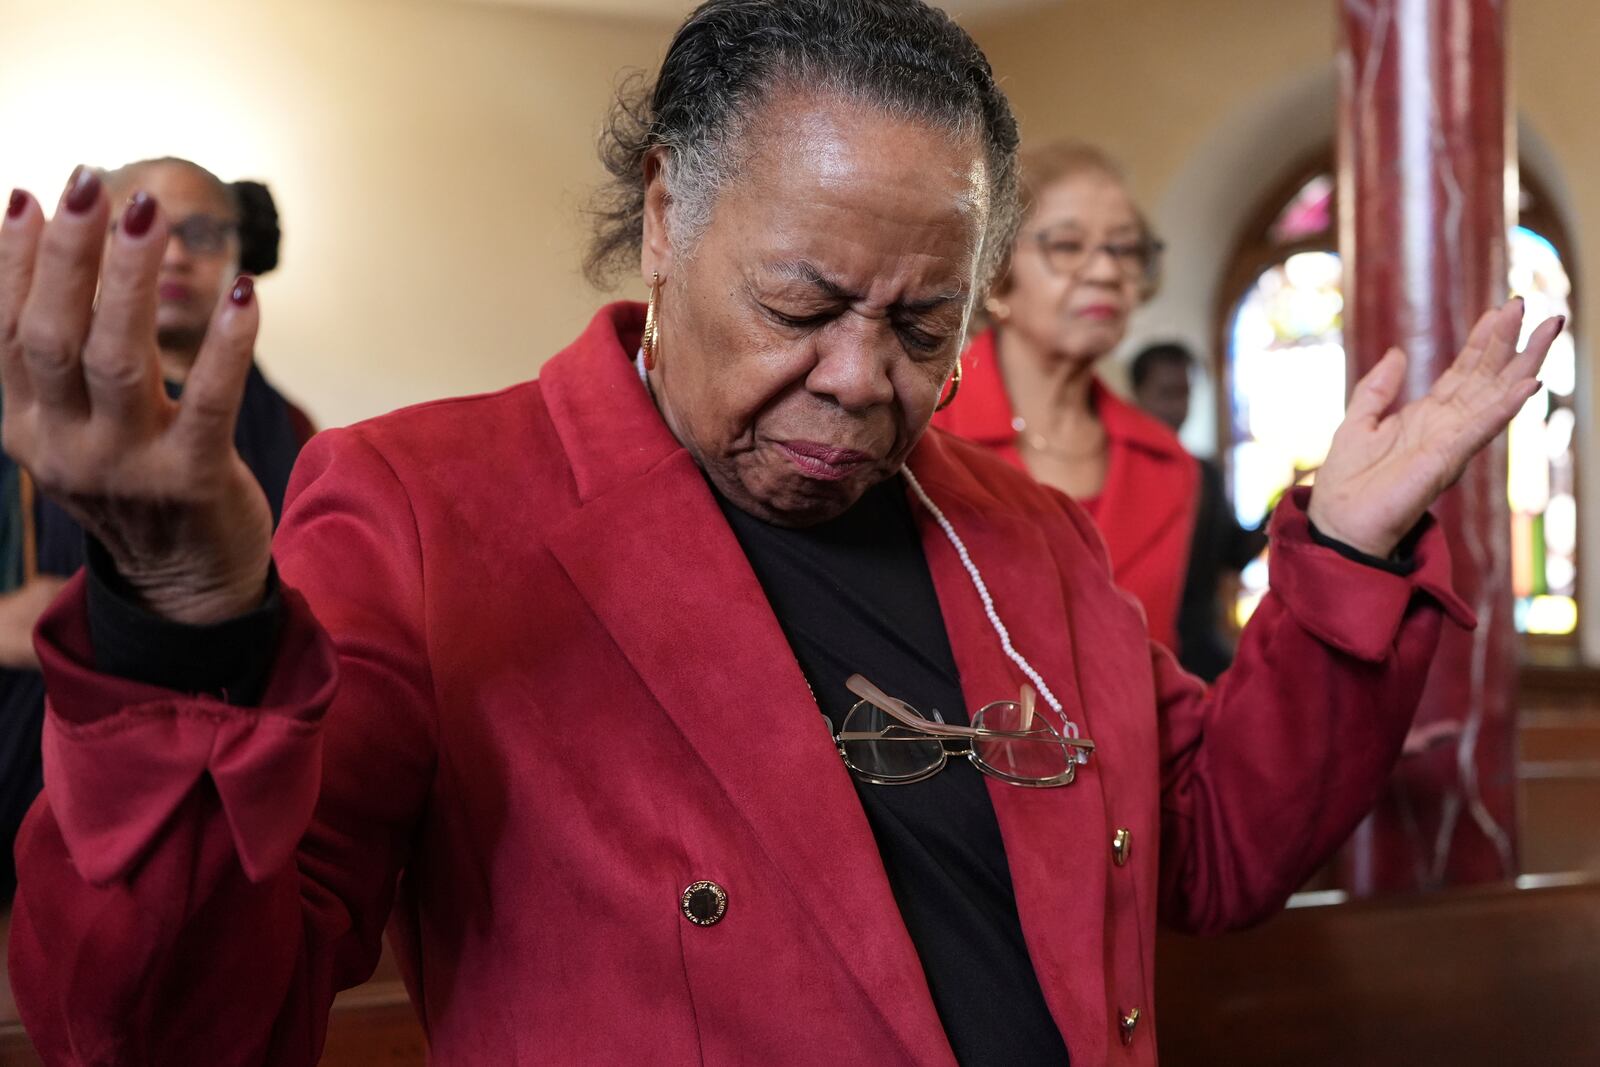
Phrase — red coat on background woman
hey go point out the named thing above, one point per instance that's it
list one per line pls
(1083, 260)
(1146, 508)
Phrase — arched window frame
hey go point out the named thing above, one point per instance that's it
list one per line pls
(1256, 251)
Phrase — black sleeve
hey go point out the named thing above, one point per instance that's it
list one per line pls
(230, 660)
(1403, 562)
(1238, 545)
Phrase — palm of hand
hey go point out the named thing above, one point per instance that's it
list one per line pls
(1384, 470)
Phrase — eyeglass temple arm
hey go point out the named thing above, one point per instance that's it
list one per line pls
(899, 710)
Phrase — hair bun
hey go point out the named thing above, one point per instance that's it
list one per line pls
(259, 234)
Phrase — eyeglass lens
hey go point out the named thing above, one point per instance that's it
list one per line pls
(200, 235)
(203, 235)
(889, 751)
(1066, 255)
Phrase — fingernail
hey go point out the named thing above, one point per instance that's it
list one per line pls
(243, 290)
(17, 204)
(140, 213)
(83, 189)
(1561, 323)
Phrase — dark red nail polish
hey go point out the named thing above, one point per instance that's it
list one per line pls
(243, 290)
(82, 190)
(140, 213)
(17, 204)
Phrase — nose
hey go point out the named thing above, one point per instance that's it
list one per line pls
(176, 254)
(1101, 267)
(853, 359)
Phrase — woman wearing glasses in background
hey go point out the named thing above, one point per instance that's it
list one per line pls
(217, 231)
(1083, 260)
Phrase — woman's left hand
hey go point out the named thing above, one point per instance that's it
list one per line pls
(1384, 470)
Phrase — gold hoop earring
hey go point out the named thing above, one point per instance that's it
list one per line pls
(651, 343)
(955, 387)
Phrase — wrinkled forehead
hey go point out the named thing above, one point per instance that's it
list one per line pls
(843, 143)
(880, 188)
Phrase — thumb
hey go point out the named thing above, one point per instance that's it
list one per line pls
(1378, 389)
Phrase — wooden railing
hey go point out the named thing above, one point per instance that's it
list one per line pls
(1558, 771)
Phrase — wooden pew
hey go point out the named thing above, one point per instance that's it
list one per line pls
(1494, 975)
(1558, 771)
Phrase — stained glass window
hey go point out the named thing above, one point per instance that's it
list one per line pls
(1309, 214)
(1286, 381)
(1542, 485)
(1288, 384)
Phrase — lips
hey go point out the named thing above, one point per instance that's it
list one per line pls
(823, 462)
(172, 292)
(1100, 312)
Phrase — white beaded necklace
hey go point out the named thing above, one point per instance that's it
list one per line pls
(977, 583)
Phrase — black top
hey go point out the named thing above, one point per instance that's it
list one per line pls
(854, 596)
(1219, 545)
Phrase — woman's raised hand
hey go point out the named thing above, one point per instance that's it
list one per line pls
(157, 482)
(1384, 470)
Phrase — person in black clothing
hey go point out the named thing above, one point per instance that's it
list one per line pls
(1160, 376)
(219, 230)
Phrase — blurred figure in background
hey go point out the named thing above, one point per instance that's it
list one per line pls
(1161, 376)
(1084, 259)
(218, 231)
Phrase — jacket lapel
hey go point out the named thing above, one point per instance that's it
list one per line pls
(651, 554)
(1150, 482)
(1053, 837)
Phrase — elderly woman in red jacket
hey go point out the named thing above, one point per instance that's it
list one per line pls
(1084, 259)
(691, 704)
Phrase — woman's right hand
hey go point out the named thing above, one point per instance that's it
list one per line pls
(157, 482)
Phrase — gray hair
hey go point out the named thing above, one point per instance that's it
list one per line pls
(729, 56)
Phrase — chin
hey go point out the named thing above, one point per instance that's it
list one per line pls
(1094, 344)
(179, 333)
(789, 499)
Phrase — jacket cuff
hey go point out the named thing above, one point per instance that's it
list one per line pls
(1347, 603)
(121, 756)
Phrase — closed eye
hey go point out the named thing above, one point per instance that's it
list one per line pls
(920, 340)
(798, 322)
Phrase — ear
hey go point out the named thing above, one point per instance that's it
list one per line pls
(655, 254)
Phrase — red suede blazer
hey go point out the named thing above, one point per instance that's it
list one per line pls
(528, 675)
(1147, 509)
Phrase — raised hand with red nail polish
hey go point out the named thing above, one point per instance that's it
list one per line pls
(157, 481)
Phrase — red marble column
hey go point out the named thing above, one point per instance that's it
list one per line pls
(1425, 162)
